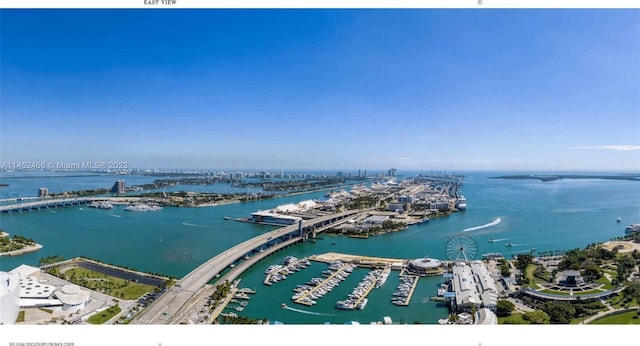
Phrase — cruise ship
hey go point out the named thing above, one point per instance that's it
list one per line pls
(462, 203)
(633, 228)
(264, 217)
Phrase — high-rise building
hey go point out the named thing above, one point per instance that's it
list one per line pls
(43, 192)
(118, 187)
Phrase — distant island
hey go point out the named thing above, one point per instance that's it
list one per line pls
(552, 177)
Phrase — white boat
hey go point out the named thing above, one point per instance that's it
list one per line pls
(509, 244)
(362, 304)
(344, 305)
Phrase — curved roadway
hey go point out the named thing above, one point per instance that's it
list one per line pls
(166, 308)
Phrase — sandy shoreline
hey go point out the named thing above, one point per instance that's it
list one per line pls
(26, 249)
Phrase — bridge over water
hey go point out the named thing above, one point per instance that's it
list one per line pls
(37, 203)
(170, 306)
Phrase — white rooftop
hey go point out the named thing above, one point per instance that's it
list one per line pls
(72, 295)
(30, 287)
(25, 270)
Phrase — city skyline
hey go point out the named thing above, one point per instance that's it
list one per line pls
(323, 89)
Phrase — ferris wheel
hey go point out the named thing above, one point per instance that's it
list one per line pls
(461, 247)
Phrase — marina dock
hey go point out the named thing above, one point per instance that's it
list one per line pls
(287, 268)
(405, 299)
(218, 309)
(307, 302)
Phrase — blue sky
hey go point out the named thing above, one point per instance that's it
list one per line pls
(323, 89)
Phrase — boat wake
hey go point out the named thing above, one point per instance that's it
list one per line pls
(493, 223)
(115, 215)
(306, 312)
(193, 224)
(497, 240)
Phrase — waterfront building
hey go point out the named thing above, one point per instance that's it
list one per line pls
(269, 218)
(72, 297)
(375, 219)
(43, 192)
(485, 284)
(33, 293)
(425, 267)
(473, 286)
(466, 295)
(9, 297)
(118, 187)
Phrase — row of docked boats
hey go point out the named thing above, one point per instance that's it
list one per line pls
(290, 265)
(240, 299)
(357, 299)
(402, 294)
(317, 288)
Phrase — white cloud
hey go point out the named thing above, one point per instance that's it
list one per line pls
(609, 147)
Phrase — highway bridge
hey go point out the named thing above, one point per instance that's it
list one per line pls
(37, 203)
(170, 306)
(44, 203)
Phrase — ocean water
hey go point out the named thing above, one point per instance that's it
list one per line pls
(556, 215)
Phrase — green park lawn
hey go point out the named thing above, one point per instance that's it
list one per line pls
(107, 284)
(515, 318)
(622, 318)
(104, 316)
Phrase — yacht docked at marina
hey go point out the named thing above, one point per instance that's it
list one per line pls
(143, 207)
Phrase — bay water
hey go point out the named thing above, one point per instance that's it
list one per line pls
(547, 216)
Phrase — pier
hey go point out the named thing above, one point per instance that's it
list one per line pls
(365, 294)
(218, 309)
(361, 261)
(301, 300)
(403, 299)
